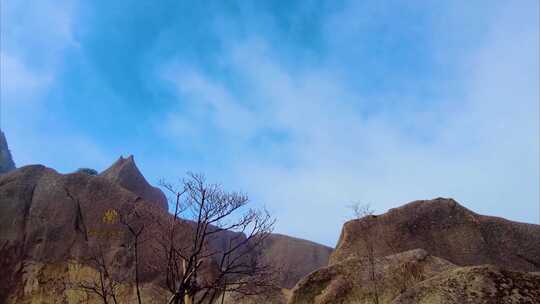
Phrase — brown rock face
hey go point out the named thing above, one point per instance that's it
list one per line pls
(448, 230)
(296, 257)
(37, 212)
(125, 172)
(6, 161)
(47, 217)
(415, 277)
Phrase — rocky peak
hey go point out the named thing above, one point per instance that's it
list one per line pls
(126, 173)
(6, 161)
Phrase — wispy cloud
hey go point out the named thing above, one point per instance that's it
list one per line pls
(481, 149)
(307, 106)
(36, 35)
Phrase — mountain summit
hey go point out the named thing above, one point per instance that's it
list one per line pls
(125, 173)
(6, 161)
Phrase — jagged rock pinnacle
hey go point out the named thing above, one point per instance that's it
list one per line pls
(125, 172)
(6, 161)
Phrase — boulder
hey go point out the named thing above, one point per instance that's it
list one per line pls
(446, 229)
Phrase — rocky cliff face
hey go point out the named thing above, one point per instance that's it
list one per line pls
(448, 230)
(47, 218)
(6, 161)
(125, 173)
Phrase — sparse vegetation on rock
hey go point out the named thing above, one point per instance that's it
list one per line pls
(88, 171)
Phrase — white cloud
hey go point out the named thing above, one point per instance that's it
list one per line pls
(35, 38)
(19, 82)
(35, 35)
(483, 149)
(210, 103)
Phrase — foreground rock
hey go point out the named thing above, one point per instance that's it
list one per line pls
(355, 280)
(475, 285)
(448, 230)
(46, 283)
(415, 277)
(274, 296)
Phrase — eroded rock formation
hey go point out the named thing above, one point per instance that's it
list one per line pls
(448, 230)
(125, 173)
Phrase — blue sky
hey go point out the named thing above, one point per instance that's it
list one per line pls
(307, 106)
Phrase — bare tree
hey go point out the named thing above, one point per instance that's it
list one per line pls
(106, 282)
(198, 270)
(368, 221)
(103, 284)
(136, 226)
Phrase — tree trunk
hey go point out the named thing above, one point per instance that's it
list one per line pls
(137, 270)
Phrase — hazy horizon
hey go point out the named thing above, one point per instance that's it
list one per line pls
(307, 107)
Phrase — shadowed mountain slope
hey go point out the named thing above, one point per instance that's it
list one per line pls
(295, 256)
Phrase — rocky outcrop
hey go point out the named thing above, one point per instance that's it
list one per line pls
(46, 283)
(6, 161)
(375, 260)
(49, 218)
(274, 296)
(475, 285)
(445, 229)
(354, 281)
(295, 257)
(415, 277)
(125, 173)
